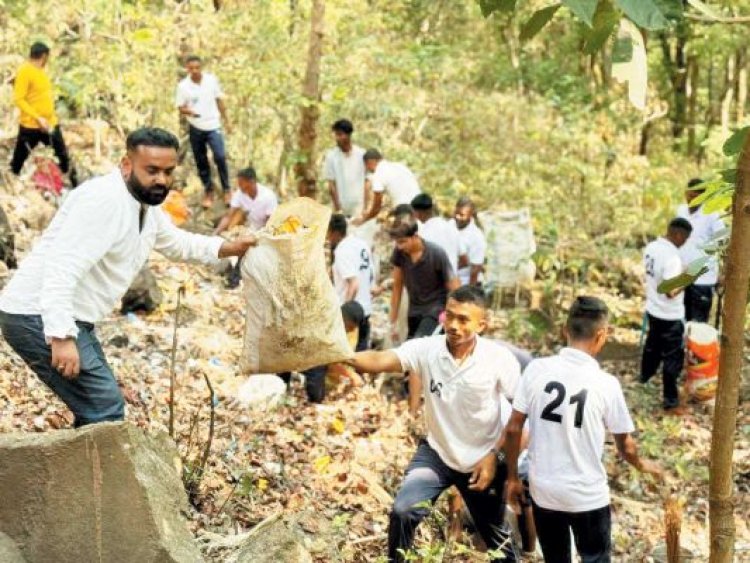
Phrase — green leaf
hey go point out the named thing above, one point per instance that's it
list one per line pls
(649, 14)
(537, 21)
(584, 9)
(705, 9)
(488, 7)
(729, 175)
(695, 269)
(719, 203)
(606, 19)
(734, 144)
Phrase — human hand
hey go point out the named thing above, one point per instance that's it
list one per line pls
(515, 493)
(43, 123)
(65, 358)
(484, 473)
(238, 246)
(228, 127)
(395, 333)
(651, 468)
(357, 221)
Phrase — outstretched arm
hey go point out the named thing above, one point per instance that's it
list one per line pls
(374, 361)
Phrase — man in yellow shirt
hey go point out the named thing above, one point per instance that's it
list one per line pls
(32, 93)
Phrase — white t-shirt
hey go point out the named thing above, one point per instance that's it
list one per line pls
(201, 98)
(347, 170)
(259, 209)
(465, 410)
(352, 258)
(569, 402)
(661, 261)
(705, 227)
(445, 234)
(395, 178)
(474, 245)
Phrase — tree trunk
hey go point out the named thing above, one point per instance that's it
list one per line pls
(293, 5)
(692, 109)
(737, 277)
(726, 102)
(741, 83)
(680, 83)
(304, 172)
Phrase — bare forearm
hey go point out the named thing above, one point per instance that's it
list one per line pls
(415, 393)
(334, 195)
(352, 287)
(373, 361)
(474, 277)
(395, 301)
(628, 449)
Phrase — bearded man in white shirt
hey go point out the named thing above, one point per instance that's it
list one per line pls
(83, 264)
(570, 402)
(665, 344)
(472, 242)
(344, 171)
(466, 382)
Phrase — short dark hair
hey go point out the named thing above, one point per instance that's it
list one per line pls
(402, 209)
(344, 126)
(372, 154)
(337, 224)
(586, 316)
(353, 312)
(38, 50)
(422, 202)
(680, 224)
(151, 137)
(466, 201)
(693, 182)
(193, 59)
(469, 294)
(247, 173)
(403, 226)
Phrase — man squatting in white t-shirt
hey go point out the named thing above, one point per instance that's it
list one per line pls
(466, 382)
(666, 311)
(569, 402)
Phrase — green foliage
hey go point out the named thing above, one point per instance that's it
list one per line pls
(733, 145)
(605, 20)
(490, 6)
(650, 14)
(583, 9)
(537, 21)
(695, 269)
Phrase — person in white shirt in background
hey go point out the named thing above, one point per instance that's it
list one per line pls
(84, 263)
(665, 312)
(344, 171)
(386, 176)
(353, 272)
(201, 99)
(570, 402)
(437, 230)
(699, 295)
(466, 382)
(252, 203)
(472, 241)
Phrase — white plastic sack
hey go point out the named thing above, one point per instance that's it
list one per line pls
(293, 319)
(261, 391)
(510, 247)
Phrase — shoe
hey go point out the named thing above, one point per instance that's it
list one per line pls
(208, 201)
(676, 411)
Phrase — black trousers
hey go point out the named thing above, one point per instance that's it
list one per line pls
(29, 138)
(591, 530)
(664, 346)
(421, 325)
(315, 382)
(698, 301)
(200, 141)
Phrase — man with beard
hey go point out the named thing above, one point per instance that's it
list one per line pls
(83, 264)
(471, 240)
(465, 381)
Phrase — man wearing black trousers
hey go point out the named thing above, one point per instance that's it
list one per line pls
(665, 311)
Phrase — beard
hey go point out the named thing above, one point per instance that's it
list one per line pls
(155, 195)
(462, 224)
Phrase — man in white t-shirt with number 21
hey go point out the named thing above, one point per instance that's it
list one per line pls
(570, 402)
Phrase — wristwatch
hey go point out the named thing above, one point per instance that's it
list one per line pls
(499, 454)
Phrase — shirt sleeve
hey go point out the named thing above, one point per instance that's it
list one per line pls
(410, 352)
(347, 263)
(329, 169)
(505, 410)
(236, 201)
(397, 259)
(218, 92)
(444, 266)
(378, 181)
(672, 267)
(522, 399)
(618, 419)
(20, 91)
(477, 249)
(178, 244)
(88, 232)
(510, 373)
(180, 98)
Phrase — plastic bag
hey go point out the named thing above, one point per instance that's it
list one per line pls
(293, 319)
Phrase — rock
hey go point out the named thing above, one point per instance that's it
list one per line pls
(105, 492)
(272, 543)
(9, 552)
(143, 295)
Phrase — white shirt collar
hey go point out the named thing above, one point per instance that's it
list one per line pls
(578, 356)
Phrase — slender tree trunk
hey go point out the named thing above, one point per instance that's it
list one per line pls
(293, 5)
(741, 83)
(680, 83)
(692, 109)
(737, 277)
(726, 102)
(304, 172)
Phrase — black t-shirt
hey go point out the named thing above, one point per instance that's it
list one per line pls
(426, 279)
